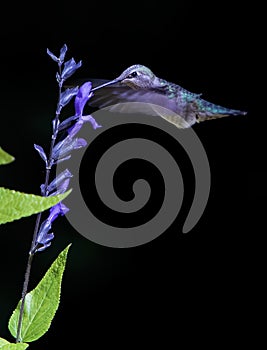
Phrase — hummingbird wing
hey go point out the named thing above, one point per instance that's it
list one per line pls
(119, 93)
(155, 101)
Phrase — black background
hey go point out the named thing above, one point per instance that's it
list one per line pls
(177, 287)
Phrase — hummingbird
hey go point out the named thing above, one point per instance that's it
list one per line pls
(138, 83)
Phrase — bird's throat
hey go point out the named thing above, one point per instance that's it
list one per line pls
(132, 85)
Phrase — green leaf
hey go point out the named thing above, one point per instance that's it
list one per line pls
(5, 158)
(15, 205)
(15, 346)
(5, 345)
(3, 342)
(41, 303)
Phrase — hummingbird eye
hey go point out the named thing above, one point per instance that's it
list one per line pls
(132, 75)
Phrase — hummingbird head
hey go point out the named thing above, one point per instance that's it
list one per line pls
(137, 77)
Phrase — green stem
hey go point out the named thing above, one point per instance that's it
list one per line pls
(24, 292)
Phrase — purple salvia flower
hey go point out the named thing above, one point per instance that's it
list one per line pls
(62, 188)
(62, 159)
(60, 147)
(83, 95)
(46, 245)
(44, 237)
(64, 148)
(83, 119)
(61, 183)
(79, 121)
(90, 119)
(56, 210)
(79, 143)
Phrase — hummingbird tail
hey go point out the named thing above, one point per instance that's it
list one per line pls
(209, 111)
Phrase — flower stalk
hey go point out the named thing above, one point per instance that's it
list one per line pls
(58, 152)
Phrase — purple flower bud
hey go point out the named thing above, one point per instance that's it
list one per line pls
(63, 148)
(72, 131)
(63, 51)
(67, 122)
(83, 95)
(43, 235)
(43, 189)
(80, 143)
(62, 188)
(62, 159)
(44, 238)
(59, 80)
(41, 152)
(66, 174)
(67, 95)
(55, 58)
(69, 68)
(42, 248)
(55, 125)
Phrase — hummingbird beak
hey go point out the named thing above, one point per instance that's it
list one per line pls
(106, 84)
